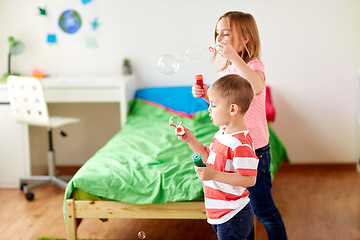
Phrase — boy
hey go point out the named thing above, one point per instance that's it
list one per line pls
(231, 163)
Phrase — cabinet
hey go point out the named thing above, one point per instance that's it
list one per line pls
(14, 154)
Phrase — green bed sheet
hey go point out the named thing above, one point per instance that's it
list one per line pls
(145, 163)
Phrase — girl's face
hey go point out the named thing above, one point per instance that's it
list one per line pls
(219, 110)
(224, 34)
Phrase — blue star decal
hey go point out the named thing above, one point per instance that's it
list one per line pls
(95, 24)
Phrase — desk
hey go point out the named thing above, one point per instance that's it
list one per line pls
(86, 89)
(15, 150)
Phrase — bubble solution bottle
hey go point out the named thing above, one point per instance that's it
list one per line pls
(197, 160)
(199, 81)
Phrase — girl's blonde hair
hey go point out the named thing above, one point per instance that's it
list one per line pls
(244, 24)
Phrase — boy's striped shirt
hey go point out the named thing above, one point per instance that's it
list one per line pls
(229, 153)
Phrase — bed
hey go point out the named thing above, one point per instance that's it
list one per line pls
(144, 171)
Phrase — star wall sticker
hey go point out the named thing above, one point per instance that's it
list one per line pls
(42, 11)
(95, 24)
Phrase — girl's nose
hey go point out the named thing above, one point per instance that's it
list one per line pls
(218, 38)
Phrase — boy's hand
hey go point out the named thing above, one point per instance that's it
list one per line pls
(187, 136)
(206, 173)
(199, 92)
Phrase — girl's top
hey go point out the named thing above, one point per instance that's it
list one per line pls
(255, 117)
(232, 153)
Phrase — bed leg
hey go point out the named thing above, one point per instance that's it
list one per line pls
(71, 225)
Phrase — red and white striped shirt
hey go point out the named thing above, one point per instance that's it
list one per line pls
(229, 153)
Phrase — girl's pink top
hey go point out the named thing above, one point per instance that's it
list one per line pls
(255, 117)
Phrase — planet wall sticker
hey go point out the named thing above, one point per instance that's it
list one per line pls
(70, 21)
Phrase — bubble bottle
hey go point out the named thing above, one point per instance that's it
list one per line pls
(199, 81)
(197, 160)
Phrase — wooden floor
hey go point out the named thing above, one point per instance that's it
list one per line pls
(316, 202)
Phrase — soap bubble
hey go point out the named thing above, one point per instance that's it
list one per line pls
(195, 52)
(175, 120)
(141, 235)
(167, 64)
(181, 57)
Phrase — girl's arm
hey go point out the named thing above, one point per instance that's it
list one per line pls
(256, 78)
(235, 179)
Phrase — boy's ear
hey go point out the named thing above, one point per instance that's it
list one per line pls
(234, 109)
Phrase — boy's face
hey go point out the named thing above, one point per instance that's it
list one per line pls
(219, 109)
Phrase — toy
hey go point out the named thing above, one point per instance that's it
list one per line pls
(197, 160)
(175, 121)
(38, 73)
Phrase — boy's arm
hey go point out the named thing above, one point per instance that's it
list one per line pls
(235, 179)
(194, 144)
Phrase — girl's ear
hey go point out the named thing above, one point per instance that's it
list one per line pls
(234, 109)
(246, 38)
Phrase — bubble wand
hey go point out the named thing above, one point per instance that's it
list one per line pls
(175, 121)
(212, 49)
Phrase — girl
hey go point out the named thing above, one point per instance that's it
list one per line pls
(237, 41)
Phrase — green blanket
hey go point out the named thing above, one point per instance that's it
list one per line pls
(145, 163)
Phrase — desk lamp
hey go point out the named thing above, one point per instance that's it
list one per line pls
(15, 48)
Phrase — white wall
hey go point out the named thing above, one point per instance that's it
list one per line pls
(310, 49)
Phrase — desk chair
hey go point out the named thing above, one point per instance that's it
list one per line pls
(28, 106)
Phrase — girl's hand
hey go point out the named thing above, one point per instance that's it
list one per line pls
(226, 50)
(187, 136)
(199, 92)
(206, 173)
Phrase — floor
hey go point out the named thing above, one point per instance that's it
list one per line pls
(316, 202)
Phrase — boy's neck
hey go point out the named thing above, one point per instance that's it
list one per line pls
(236, 124)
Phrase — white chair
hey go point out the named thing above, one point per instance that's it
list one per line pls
(28, 106)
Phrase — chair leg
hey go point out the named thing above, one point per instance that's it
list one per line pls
(25, 182)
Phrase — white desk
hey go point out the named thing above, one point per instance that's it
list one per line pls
(86, 89)
(14, 137)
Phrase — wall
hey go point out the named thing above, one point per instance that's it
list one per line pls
(310, 49)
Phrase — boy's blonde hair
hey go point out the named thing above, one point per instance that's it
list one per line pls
(236, 89)
(244, 25)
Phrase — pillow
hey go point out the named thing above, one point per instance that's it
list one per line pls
(270, 109)
(176, 99)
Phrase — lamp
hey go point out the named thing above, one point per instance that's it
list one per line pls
(15, 48)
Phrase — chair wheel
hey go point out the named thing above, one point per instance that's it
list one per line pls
(29, 196)
(22, 185)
